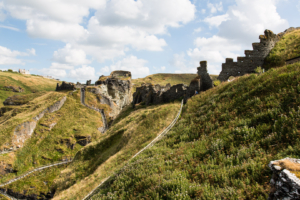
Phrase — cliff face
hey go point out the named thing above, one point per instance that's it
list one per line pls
(24, 130)
(115, 91)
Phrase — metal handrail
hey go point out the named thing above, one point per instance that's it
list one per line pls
(164, 132)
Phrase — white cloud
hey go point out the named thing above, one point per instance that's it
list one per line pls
(215, 7)
(203, 11)
(56, 73)
(84, 73)
(55, 65)
(9, 57)
(54, 30)
(248, 19)
(8, 27)
(134, 65)
(216, 20)
(197, 30)
(70, 55)
(151, 16)
(181, 65)
(238, 29)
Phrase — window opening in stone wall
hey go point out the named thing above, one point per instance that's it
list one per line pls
(176, 90)
(239, 72)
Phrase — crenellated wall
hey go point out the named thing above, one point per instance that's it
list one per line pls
(253, 58)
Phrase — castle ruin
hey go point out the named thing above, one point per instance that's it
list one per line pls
(23, 71)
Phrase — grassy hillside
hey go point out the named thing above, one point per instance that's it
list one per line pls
(133, 131)
(29, 83)
(222, 144)
(74, 123)
(164, 79)
(288, 47)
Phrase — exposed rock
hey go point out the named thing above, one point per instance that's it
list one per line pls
(114, 90)
(83, 140)
(60, 150)
(13, 101)
(284, 184)
(24, 131)
(49, 126)
(15, 88)
(65, 86)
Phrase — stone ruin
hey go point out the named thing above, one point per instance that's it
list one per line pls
(65, 86)
(253, 58)
(120, 74)
(284, 183)
(157, 94)
(88, 82)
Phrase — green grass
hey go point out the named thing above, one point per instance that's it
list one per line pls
(288, 47)
(28, 82)
(121, 142)
(45, 147)
(222, 144)
(164, 79)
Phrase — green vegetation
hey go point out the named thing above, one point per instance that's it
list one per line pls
(73, 122)
(125, 138)
(222, 144)
(164, 79)
(288, 47)
(28, 82)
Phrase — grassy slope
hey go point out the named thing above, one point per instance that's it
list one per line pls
(28, 82)
(288, 47)
(46, 146)
(222, 144)
(133, 131)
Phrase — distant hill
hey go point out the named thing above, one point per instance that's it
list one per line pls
(164, 79)
(30, 84)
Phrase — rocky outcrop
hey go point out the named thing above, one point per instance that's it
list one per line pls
(14, 101)
(24, 131)
(14, 89)
(284, 183)
(115, 90)
(83, 140)
(65, 86)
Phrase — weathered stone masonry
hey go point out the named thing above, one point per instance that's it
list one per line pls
(253, 58)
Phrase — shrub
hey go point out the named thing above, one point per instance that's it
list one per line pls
(217, 82)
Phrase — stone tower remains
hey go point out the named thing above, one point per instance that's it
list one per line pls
(205, 80)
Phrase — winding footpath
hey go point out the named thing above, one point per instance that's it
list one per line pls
(101, 111)
(30, 172)
(160, 136)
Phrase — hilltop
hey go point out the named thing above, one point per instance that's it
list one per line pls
(29, 83)
(164, 78)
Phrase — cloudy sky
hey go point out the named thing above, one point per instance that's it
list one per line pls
(76, 40)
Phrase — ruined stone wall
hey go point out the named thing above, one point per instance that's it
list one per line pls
(253, 58)
(205, 80)
(120, 73)
(65, 86)
(284, 184)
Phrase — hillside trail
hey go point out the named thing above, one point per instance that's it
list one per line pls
(160, 136)
(82, 97)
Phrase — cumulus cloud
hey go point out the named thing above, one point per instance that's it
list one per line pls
(56, 73)
(181, 65)
(238, 29)
(133, 64)
(83, 73)
(216, 20)
(117, 25)
(70, 55)
(197, 30)
(9, 57)
(60, 66)
(215, 7)
(50, 29)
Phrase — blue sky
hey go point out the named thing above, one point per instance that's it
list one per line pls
(76, 40)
